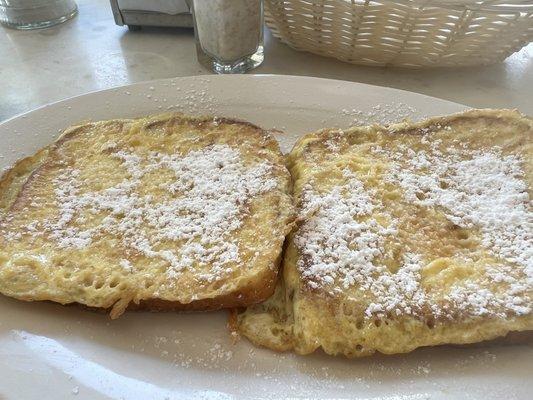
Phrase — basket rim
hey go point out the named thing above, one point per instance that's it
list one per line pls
(474, 5)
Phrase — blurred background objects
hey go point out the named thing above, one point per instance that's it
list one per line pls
(90, 52)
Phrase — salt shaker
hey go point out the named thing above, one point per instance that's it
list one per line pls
(229, 34)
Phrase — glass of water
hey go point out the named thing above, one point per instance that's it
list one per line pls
(33, 14)
(229, 34)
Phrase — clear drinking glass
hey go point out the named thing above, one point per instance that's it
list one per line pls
(229, 34)
(33, 14)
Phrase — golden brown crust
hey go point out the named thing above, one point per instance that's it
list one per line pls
(256, 292)
(17, 173)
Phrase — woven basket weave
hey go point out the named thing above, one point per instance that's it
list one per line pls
(409, 33)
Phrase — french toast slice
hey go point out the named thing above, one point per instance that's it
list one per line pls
(163, 212)
(409, 235)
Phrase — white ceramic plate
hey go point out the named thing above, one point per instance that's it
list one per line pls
(52, 352)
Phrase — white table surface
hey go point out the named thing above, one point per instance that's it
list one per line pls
(90, 52)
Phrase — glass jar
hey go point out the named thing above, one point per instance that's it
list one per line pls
(33, 14)
(229, 34)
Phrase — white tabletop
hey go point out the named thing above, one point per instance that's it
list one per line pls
(90, 52)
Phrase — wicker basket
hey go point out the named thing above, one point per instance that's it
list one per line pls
(409, 33)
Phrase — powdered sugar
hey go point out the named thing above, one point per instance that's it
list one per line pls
(380, 113)
(398, 292)
(486, 190)
(126, 264)
(332, 241)
(66, 191)
(208, 193)
(341, 241)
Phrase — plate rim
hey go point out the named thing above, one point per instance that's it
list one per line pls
(224, 77)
